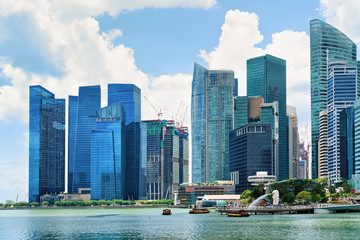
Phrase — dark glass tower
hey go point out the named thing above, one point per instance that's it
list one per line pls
(266, 77)
(250, 152)
(46, 144)
(108, 153)
(327, 44)
(130, 96)
(82, 120)
(212, 109)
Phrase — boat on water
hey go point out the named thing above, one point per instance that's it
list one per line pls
(166, 212)
(237, 213)
(199, 211)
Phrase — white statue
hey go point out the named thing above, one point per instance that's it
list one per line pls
(275, 197)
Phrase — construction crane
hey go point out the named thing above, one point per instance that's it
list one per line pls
(158, 112)
(183, 119)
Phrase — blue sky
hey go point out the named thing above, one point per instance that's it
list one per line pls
(149, 43)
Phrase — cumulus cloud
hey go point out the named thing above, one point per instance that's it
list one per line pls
(237, 43)
(343, 15)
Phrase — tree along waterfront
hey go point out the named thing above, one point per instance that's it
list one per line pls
(114, 203)
(296, 191)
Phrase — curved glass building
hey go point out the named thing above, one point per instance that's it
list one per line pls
(327, 44)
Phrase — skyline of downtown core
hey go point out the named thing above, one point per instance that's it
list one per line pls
(17, 77)
(111, 164)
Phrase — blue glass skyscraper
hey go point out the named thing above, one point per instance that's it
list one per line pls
(82, 120)
(46, 143)
(130, 96)
(266, 77)
(198, 123)
(212, 109)
(108, 153)
(327, 44)
(342, 92)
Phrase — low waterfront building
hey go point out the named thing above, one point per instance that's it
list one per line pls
(189, 193)
(261, 177)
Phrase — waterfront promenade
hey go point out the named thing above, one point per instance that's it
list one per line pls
(299, 209)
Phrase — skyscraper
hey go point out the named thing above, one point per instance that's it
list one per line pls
(46, 143)
(342, 91)
(323, 145)
(293, 141)
(327, 44)
(82, 119)
(250, 152)
(212, 120)
(347, 143)
(108, 153)
(266, 77)
(166, 158)
(357, 136)
(130, 96)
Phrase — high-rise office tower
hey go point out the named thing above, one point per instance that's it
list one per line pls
(212, 120)
(342, 92)
(268, 115)
(82, 119)
(183, 154)
(108, 153)
(46, 143)
(250, 152)
(327, 44)
(293, 141)
(347, 143)
(323, 145)
(130, 96)
(166, 158)
(357, 136)
(266, 77)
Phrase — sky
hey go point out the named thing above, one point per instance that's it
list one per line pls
(65, 44)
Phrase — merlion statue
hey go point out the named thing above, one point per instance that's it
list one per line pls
(275, 197)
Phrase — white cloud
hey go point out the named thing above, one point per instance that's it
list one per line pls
(237, 43)
(70, 39)
(344, 15)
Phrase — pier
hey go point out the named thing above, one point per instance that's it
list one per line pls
(300, 209)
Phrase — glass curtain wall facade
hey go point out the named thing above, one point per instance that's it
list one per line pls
(46, 143)
(82, 120)
(108, 153)
(250, 152)
(241, 111)
(347, 143)
(130, 96)
(342, 92)
(269, 116)
(212, 120)
(327, 44)
(266, 77)
(199, 104)
(357, 136)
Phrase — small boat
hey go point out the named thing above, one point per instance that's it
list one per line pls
(238, 213)
(166, 212)
(199, 211)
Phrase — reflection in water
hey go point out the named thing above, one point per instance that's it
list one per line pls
(149, 223)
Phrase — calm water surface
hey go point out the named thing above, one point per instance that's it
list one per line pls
(150, 224)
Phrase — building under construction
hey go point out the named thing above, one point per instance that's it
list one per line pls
(167, 158)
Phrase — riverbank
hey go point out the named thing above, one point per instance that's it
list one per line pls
(93, 207)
